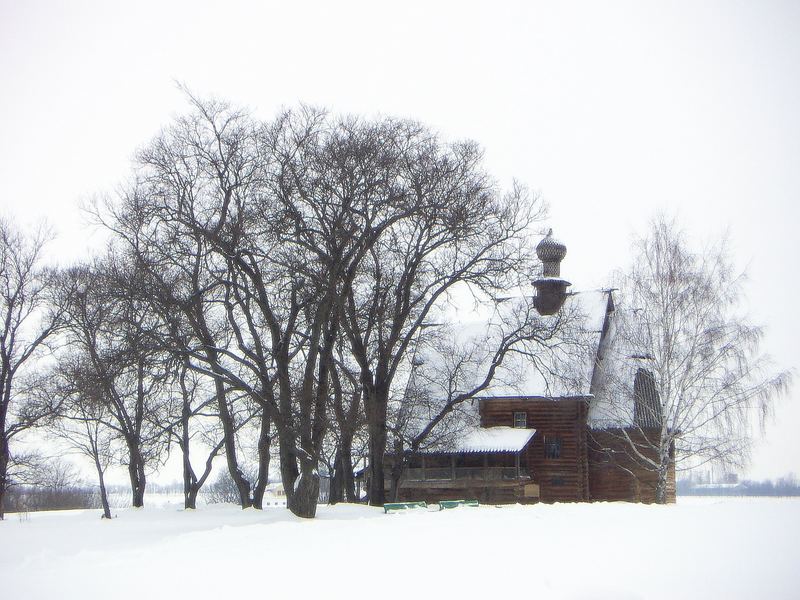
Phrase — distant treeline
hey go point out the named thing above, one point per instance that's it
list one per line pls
(21, 499)
(71, 494)
(784, 486)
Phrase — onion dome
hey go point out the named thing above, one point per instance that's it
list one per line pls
(550, 249)
(551, 252)
(551, 289)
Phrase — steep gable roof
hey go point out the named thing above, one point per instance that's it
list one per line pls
(558, 361)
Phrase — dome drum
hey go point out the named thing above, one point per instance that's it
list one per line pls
(551, 290)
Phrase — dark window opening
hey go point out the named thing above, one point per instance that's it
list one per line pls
(557, 481)
(520, 420)
(552, 446)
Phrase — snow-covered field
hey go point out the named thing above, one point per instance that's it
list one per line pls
(700, 548)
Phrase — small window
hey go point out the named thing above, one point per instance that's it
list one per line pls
(520, 420)
(552, 446)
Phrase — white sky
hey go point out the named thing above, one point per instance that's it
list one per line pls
(611, 112)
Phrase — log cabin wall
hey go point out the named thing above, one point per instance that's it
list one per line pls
(562, 479)
(615, 475)
(466, 491)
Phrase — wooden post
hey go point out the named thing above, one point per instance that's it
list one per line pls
(516, 461)
(423, 467)
(453, 466)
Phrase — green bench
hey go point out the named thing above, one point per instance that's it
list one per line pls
(403, 506)
(456, 503)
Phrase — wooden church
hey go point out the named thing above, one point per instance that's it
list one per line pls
(541, 440)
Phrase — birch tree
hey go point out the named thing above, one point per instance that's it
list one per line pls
(688, 373)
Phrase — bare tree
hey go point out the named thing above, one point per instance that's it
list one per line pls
(169, 221)
(196, 404)
(222, 490)
(81, 416)
(347, 435)
(463, 236)
(182, 283)
(686, 375)
(264, 243)
(110, 331)
(283, 214)
(27, 320)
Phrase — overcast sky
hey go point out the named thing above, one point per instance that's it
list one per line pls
(612, 112)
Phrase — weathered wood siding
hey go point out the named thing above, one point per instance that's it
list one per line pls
(559, 479)
(465, 490)
(615, 475)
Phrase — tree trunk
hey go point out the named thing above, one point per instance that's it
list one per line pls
(229, 433)
(343, 485)
(103, 492)
(191, 484)
(288, 466)
(336, 493)
(137, 475)
(4, 458)
(306, 492)
(190, 487)
(101, 480)
(190, 499)
(661, 484)
(264, 442)
(376, 417)
(395, 474)
(348, 480)
(189, 478)
(301, 486)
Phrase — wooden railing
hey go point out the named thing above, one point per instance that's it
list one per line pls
(450, 474)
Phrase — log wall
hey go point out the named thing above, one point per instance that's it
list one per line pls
(615, 475)
(465, 490)
(594, 465)
(563, 479)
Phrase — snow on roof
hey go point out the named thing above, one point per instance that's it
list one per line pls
(560, 363)
(613, 404)
(495, 439)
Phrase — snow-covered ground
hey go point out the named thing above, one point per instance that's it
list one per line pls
(700, 548)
